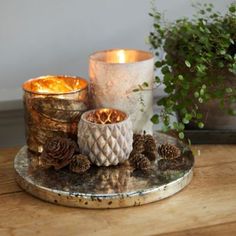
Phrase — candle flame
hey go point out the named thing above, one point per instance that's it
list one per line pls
(106, 116)
(121, 56)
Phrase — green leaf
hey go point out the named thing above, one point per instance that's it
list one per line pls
(200, 125)
(232, 8)
(158, 64)
(200, 100)
(157, 79)
(145, 84)
(202, 12)
(181, 135)
(187, 63)
(199, 116)
(202, 91)
(155, 119)
(229, 90)
(232, 112)
(180, 77)
(222, 52)
(185, 121)
(188, 116)
(165, 70)
(196, 94)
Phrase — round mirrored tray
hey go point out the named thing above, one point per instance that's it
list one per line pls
(104, 187)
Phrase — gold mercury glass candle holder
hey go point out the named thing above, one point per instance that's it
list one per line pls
(53, 106)
(106, 136)
(115, 74)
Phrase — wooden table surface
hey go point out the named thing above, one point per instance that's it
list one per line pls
(206, 207)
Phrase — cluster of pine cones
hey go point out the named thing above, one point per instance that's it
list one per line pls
(59, 152)
(144, 151)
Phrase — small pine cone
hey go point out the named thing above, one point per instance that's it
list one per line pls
(140, 161)
(168, 151)
(150, 144)
(57, 152)
(138, 143)
(151, 155)
(79, 163)
(133, 158)
(137, 136)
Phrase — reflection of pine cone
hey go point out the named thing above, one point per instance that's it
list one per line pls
(113, 179)
(58, 151)
(79, 163)
(139, 161)
(179, 163)
(168, 151)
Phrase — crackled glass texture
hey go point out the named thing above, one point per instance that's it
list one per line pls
(115, 74)
(53, 106)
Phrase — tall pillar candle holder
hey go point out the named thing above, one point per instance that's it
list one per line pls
(115, 74)
(53, 106)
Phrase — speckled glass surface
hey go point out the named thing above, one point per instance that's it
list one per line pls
(103, 187)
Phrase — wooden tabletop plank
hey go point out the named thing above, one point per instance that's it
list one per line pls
(7, 180)
(226, 229)
(209, 200)
(207, 155)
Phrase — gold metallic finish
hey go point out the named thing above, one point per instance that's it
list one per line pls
(53, 106)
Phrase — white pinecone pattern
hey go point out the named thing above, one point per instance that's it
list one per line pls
(108, 144)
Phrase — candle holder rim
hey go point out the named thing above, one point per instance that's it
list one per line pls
(91, 56)
(55, 93)
(127, 116)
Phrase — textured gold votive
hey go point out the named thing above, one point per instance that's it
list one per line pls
(53, 106)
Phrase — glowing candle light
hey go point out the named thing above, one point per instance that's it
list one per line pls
(114, 74)
(53, 105)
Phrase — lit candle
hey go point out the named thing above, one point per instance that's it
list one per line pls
(53, 106)
(115, 74)
(106, 136)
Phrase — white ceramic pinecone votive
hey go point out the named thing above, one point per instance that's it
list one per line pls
(106, 136)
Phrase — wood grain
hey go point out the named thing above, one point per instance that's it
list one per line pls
(206, 207)
(214, 230)
(7, 181)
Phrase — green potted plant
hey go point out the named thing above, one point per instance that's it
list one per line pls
(198, 67)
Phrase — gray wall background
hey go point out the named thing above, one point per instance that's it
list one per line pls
(40, 37)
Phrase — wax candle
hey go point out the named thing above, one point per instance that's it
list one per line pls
(115, 74)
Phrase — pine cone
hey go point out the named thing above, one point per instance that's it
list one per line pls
(139, 161)
(138, 143)
(168, 151)
(150, 144)
(152, 155)
(58, 151)
(79, 163)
